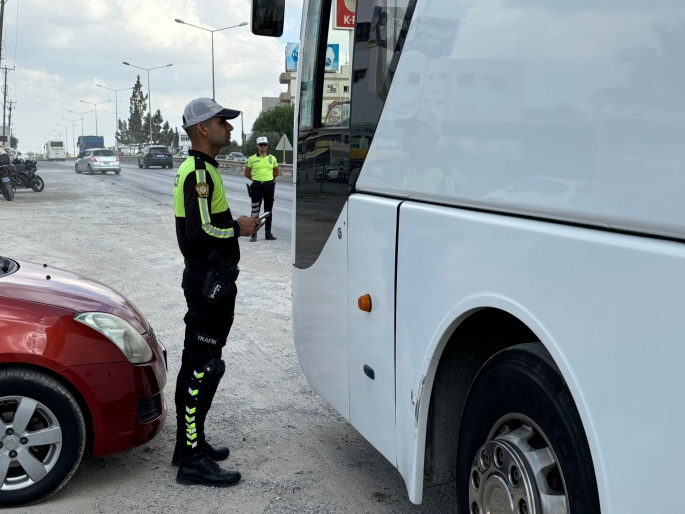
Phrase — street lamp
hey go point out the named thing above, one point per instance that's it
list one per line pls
(178, 20)
(116, 109)
(81, 114)
(96, 111)
(149, 98)
(66, 137)
(73, 131)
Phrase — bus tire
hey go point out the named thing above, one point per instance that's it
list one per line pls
(521, 440)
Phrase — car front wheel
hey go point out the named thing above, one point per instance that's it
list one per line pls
(522, 447)
(42, 436)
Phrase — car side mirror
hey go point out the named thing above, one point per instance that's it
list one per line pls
(268, 17)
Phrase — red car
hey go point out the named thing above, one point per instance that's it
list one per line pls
(81, 371)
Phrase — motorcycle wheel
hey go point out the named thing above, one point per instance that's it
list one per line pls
(38, 184)
(7, 192)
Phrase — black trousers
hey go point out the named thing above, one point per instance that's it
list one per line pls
(263, 192)
(207, 329)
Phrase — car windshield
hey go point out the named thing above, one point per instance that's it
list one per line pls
(158, 149)
(104, 153)
(238, 154)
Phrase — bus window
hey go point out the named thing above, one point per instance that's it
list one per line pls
(382, 27)
(323, 143)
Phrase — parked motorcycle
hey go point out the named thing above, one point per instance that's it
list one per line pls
(23, 175)
(6, 184)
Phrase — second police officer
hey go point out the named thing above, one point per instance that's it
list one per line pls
(262, 169)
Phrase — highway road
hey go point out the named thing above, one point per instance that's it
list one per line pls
(157, 185)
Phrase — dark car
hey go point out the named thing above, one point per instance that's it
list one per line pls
(155, 156)
(81, 372)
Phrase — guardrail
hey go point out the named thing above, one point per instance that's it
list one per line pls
(231, 166)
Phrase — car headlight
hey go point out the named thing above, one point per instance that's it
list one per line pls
(121, 333)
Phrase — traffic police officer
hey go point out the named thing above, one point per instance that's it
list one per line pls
(208, 238)
(262, 169)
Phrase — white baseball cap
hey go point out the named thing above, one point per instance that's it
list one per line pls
(203, 109)
(262, 140)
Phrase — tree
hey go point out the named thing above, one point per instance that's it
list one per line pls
(233, 147)
(280, 119)
(272, 124)
(14, 142)
(134, 130)
(162, 133)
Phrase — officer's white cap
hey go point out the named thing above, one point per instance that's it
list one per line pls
(262, 140)
(203, 109)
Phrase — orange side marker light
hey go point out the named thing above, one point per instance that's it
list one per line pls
(364, 303)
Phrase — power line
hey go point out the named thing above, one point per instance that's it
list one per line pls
(50, 100)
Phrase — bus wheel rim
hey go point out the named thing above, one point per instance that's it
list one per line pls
(516, 472)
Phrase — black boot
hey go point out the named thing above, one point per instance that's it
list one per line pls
(253, 239)
(217, 453)
(201, 470)
(200, 380)
(270, 237)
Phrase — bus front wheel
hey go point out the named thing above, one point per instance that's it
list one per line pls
(522, 446)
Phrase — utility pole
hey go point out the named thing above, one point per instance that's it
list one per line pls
(9, 122)
(2, 22)
(4, 101)
(242, 132)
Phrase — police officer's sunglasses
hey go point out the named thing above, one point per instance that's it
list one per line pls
(263, 144)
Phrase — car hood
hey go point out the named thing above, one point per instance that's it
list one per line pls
(69, 291)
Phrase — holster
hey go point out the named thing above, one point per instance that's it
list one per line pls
(219, 280)
(249, 190)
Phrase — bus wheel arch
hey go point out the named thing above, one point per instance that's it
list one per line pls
(478, 337)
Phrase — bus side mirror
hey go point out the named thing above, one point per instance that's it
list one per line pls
(268, 17)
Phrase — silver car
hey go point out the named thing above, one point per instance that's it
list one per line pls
(237, 156)
(98, 160)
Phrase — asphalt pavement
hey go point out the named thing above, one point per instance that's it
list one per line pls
(157, 184)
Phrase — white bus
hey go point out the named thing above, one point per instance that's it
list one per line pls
(495, 297)
(54, 151)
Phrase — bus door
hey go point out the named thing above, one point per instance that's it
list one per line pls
(372, 232)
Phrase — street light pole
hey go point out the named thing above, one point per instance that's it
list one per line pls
(73, 132)
(179, 20)
(96, 112)
(66, 137)
(116, 110)
(81, 114)
(149, 97)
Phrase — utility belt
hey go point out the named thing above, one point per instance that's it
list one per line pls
(258, 183)
(219, 280)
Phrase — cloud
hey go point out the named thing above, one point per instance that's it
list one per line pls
(84, 42)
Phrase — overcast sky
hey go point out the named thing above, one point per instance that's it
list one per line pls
(62, 48)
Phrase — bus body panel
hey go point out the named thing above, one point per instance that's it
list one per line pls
(372, 234)
(563, 110)
(608, 307)
(320, 320)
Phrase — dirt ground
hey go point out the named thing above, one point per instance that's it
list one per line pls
(296, 454)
